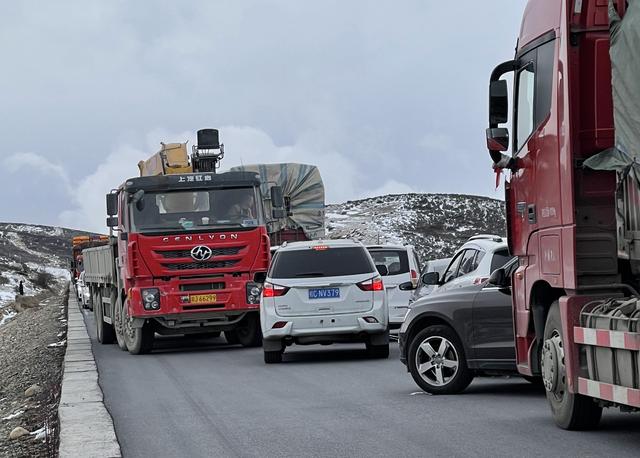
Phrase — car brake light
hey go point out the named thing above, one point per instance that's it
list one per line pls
(271, 290)
(414, 278)
(375, 284)
(320, 247)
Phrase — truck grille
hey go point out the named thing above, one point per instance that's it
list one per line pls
(176, 254)
(202, 286)
(201, 265)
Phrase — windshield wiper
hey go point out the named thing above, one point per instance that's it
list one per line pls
(310, 274)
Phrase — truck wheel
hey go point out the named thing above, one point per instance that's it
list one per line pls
(272, 357)
(437, 361)
(570, 411)
(119, 327)
(139, 340)
(250, 334)
(90, 300)
(104, 330)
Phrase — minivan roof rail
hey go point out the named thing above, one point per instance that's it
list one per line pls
(495, 238)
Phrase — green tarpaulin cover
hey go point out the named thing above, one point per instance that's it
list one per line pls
(625, 66)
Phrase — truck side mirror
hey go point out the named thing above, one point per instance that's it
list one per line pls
(278, 213)
(430, 278)
(112, 221)
(497, 139)
(112, 204)
(277, 197)
(498, 102)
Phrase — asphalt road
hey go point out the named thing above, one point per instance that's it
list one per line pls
(203, 398)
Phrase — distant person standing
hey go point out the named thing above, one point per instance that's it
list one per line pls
(21, 288)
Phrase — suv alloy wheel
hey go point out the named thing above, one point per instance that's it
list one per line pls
(437, 361)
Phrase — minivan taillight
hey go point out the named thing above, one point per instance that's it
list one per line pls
(414, 278)
(271, 290)
(375, 284)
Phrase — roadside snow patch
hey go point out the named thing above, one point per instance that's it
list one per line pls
(57, 344)
(16, 414)
(6, 316)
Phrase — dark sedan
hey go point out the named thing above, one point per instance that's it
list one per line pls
(461, 331)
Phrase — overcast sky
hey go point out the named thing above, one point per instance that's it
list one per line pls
(384, 96)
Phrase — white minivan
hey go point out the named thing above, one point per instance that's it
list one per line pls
(323, 292)
(401, 277)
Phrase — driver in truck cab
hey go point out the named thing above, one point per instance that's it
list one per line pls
(243, 208)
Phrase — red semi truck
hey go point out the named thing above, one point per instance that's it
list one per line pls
(190, 250)
(572, 199)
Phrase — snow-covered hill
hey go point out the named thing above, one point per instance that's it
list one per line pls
(436, 224)
(26, 250)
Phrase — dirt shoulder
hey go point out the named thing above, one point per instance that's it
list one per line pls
(32, 348)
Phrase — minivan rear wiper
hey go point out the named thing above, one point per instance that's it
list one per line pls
(310, 274)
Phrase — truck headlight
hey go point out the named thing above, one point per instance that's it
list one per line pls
(253, 293)
(151, 298)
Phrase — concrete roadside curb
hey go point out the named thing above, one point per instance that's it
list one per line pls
(86, 428)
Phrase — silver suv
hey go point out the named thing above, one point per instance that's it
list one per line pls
(472, 264)
(323, 292)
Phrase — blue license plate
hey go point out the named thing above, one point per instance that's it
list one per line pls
(324, 293)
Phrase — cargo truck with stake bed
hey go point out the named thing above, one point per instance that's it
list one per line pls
(573, 201)
(189, 252)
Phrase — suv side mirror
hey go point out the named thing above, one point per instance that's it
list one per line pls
(430, 278)
(498, 278)
(112, 204)
(277, 198)
(407, 286)
(382, 269)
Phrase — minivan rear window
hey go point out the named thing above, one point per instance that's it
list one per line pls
(330, 262)
(397, 261)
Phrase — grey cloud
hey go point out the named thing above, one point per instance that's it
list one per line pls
(366, 82)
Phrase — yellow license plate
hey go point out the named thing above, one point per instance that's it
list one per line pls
(202, 298)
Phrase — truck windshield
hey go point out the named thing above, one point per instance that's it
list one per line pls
(196, 210)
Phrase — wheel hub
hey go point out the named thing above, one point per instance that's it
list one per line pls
(553, 365)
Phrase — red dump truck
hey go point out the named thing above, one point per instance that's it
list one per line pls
(190, 249)
(573, 201)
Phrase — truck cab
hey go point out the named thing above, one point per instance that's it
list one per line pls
(192, 251)
(563, 218)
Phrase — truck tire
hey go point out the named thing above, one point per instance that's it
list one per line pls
(139, 340)
(570, 411)
(437, 373)
(104, 331)
(249, 333)
(119, 326)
